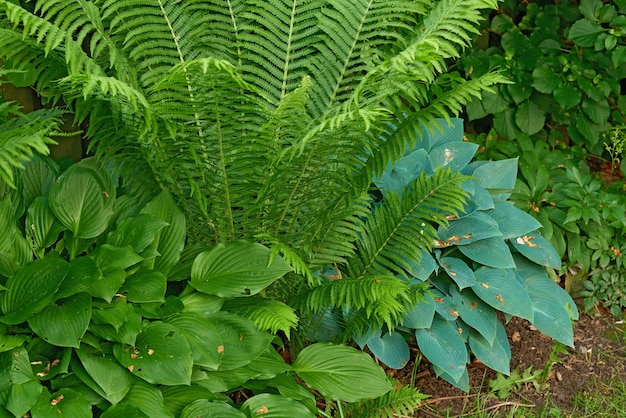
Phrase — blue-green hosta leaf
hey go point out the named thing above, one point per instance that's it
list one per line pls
(445, 306)
(237, 268)
(513, 222)
(110, 256)
(480, 198)
(267, 405)
(83, 273)
(82, 201)
(444, 347)
(476, 313)
(144, 287)
(468, 229)
(551, 317)
(148, 399)
(536, 248)
(243, 342)
(492, 252)
(498, 176)
(392, 349)
(205, 342)
(212, 409)
(421, 315)
(161, 355)
(65, 403)
(461, 383)
(496, 355)
(64, 322)
(31, 289)
(424, 269)
(171, 239)
(341, 372)
(455, 155)
(458, 271)
(138, 232)
(104, 374)
(501, 289)
(404, 172)
(42, 227)
(322, 326)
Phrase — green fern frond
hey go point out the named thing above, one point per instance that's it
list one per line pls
(399, 402)
(22, 136)
(267, 314)
(400, 227)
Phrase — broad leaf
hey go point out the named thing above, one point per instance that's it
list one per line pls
(236, 268)
(161, 355)
(109, 256)
(31, 289)
(458, 271)
(341, 373)
(444, 347)
(530, 118)
(145, 286)
(501, 289)
(421, 315)
(392, 349)
(455, 155)
(567, 96)
(111, 380)
(538, 249)
(584, 32)
(267, 405)
(64, 322)
(205, 341)
(148, 399)
(138, 232)
(212, 409)
(499, 176)
(468, 229)
(202, 304)
(64, 403)
(495, 355)
(492, 252)
(20, 398)
(106, 286)
(513, 222)
(82, 275)
(42, 227)
(476, 313)
(178, 397)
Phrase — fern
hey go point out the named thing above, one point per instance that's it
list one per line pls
(267, 314)
(402, 401)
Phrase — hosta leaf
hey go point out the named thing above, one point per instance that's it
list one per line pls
(203, 408)
(105, 287)
(161, 355)
(42, 227)
(138, 232)
(492, 252)
(501, 289)
(341, 372)
(476, 313)
(20, 398)
(178, 397)
(455, 155)
(236, 268)
(538, 249)
(106, 376)
(83, 273)
(421, 315)
(145, 286)
(171, 239)
(468, 229)
(444, 347)
(513, 222)
(31, 289)
(63, 403)
(81, 202)
(38, 176)
(64, 322)
(124, 410)
(242, 341)
(205, 341)
(148, 399)
(7, 224)
(391, 349)
(458, 271)
(267, 405)
(110, 256)
(499, 176)
(461, 383)
(495, 355)
(202, 304)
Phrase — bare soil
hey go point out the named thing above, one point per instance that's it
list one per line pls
(599, 354)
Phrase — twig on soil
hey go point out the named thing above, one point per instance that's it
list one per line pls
(498, 406)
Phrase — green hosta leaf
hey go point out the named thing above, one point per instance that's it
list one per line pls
(421, 315)
(8, 264)
(148, 399)
(205, 341)
(496, 355)
(538, 249)
(42, 227)
(567, 96)
(476, 313)
(458, 271)
(105, 375)
(31, 289)
(242, 341)
(550, 317)
(144, 287)
(513, 222)
(106, 286)
(530, 118)
(501, 289)
(109, 256)
(161, 355)
(48, 361)
(492, 252)
(444, 347)
(178, 397)
(64, 403)
(545, 79)
(82, 202)
(267, 405)
(7, 224)
(171, 239)
(226, 381)
(64, 322)
(468, 229)
(15, 368)
(124, 410)
(391, 349)
(341, 373)
(203, 408)
(584, 32)
(20, 398)
(236, 268)
(38, 176)
(138, 232)
(83, 273)
(202, 304)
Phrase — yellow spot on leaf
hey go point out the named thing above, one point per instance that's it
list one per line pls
(527, 240)
(485, 285)
(262, 410)
(56, 400)
(500, 298)
(220, 349)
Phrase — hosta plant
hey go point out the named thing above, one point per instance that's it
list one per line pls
(104, 313)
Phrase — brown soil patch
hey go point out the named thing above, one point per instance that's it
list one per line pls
(599, 354)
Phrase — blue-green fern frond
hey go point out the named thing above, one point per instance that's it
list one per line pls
(402, 226)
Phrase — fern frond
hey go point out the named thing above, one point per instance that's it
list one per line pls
(22, 136)
(267, 314)
(400, 227)
(399, 402)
